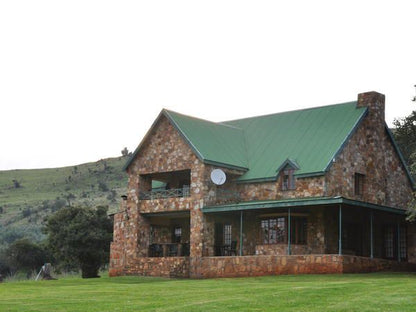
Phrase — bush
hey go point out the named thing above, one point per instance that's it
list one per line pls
(23, 255)
(4, 266)
(26, 212)
(80, 236)
(102, 186)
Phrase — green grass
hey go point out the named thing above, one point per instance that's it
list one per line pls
(358, 292)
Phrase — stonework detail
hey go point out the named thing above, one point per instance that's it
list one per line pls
(370, 152)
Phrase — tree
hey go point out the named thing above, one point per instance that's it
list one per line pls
(69, 197)
(125, 152)
(16, 183)
(80, 236)
(23, 255)
(405, 135)
(102, 186)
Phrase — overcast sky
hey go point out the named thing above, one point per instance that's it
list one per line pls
(81, 80)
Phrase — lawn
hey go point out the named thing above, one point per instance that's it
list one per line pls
(350, 292)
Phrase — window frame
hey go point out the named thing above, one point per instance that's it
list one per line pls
(288, 179)
(227, 234)
(359, 181)
(274, 230)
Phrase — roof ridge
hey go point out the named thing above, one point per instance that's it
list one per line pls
(291, 111)
(202, 119)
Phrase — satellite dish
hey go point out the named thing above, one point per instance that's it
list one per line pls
(218, 176)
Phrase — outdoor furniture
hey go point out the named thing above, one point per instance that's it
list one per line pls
(155, 250)
(173, 250)
(168, 249)
(230, 250)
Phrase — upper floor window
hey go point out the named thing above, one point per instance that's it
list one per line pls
(286, 172)
(288, 180)
(359, 180)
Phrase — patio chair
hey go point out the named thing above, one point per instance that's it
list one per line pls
(173, 250)
(231, 250)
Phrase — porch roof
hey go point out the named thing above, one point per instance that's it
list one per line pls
(299, 202)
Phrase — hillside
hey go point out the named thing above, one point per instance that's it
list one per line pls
(28, 196)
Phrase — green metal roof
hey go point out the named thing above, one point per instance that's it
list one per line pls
(260, 146)
(296, 202)
(310, 137)
(215, 143)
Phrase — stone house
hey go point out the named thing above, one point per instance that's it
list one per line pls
(319, 190)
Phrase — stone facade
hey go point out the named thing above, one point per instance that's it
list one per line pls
(370, 152)
(165, 152)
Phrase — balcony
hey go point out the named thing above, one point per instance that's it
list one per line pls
(162, 185)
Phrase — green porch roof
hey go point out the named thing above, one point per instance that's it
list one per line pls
(296, 202)
(261, 145)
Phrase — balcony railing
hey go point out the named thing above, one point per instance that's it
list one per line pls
(157, 194)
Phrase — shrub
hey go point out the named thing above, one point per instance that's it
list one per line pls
(80, 236)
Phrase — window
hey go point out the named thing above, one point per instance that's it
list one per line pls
(392, 242)
(288, 180)
(359, 184)
(273, 231)
(177, 234)
(389, 242)
(298, 230)
(227, 234)
(403, 243)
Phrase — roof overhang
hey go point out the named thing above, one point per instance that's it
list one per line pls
(303, 202)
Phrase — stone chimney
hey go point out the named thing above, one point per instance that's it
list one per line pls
(376, 104)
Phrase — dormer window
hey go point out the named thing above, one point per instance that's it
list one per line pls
(288, 180)
(286, 173)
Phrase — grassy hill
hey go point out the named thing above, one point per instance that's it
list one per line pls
(28, 196)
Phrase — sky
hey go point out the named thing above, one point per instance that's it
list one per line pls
(81, 80)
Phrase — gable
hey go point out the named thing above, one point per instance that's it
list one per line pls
(371, 153)
(162, 150)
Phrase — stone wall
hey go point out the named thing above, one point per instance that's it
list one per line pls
(370, 152)
(215, 267)
(270, 265)
(281, 249)
(218, 267)
(177, 267)
(304, 187)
